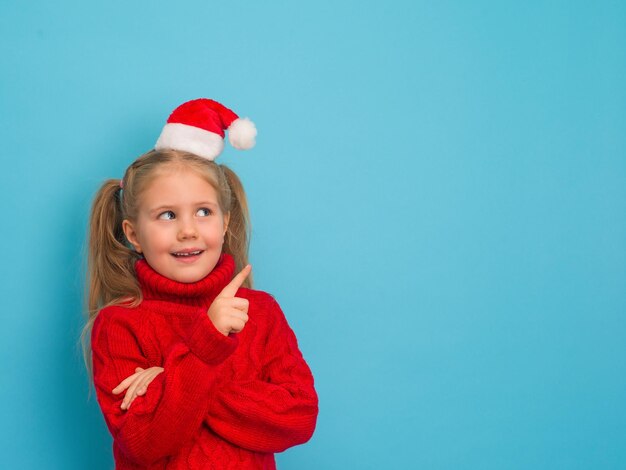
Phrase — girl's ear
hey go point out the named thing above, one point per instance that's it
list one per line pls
(131, 234)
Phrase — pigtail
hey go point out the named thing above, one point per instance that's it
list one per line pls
(237, 237)
(111, 261)
(110, 268)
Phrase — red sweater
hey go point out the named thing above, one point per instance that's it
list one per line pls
(222, 402)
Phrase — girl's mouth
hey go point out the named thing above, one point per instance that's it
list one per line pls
(187, 256)
(188, 253)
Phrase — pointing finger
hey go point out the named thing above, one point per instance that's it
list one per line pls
(231, 289)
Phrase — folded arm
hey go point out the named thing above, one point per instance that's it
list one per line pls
(274, 414)
(161, 422)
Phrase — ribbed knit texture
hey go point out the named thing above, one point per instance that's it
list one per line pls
(222, 402)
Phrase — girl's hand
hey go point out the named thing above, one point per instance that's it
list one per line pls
(227, 312)
(137, 384)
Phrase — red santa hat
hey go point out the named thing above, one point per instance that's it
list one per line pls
(197, 126)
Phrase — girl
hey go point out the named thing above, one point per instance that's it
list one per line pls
(193, 369)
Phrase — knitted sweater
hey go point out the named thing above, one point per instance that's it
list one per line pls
(222, 402)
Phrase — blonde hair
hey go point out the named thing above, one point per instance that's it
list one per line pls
(111, 260)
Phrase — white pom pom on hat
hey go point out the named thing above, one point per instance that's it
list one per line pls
(197, 126)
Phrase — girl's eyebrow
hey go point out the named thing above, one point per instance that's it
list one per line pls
(160, 208)
(205, 203)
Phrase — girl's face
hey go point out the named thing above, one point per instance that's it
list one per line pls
(180, 227)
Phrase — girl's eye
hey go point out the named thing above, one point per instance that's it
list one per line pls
(167, 215)
(204, 212)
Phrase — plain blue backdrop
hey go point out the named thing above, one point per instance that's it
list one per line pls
(438, 198)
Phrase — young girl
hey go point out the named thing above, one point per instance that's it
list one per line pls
(193, 369)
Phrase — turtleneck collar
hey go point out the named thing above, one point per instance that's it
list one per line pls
(198, 294)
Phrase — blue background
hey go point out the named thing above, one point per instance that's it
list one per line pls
(438, 197)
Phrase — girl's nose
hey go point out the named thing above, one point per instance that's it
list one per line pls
(187, 230)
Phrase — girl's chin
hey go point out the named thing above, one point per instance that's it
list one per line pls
(189, 274)
(188, 271)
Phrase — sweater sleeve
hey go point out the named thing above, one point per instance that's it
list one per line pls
(161, 422)
(274, 414)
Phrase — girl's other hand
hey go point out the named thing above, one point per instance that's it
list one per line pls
(137, 384)
(227, 312)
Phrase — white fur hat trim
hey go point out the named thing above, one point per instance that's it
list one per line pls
(191, 139)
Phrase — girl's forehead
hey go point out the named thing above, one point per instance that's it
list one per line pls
(178, 183)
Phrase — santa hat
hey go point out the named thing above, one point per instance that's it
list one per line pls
(198, 126)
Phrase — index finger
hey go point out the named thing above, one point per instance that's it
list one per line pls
(231, 289)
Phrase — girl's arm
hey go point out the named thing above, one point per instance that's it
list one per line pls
(274, 414)
(166, 418)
